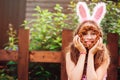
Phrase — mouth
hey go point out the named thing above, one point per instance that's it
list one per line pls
(88, 42)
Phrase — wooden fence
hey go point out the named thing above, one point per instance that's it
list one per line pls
(23, 56)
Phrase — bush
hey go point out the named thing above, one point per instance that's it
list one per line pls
(9, 71)
(45, 30)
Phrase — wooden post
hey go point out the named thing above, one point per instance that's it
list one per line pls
(23, 54)
(113, 48)
(66, 39)
(119, 61)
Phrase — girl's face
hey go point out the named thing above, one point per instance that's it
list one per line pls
(89, 34)
(89, 37)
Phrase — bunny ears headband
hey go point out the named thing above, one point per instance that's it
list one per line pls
(84, 13)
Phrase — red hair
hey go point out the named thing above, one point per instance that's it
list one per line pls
(83, 30)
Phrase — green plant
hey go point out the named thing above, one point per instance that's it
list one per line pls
(4, 76)
(111, 22)
(11, 45)
(9, 71)
(46, 29)
(44, 71)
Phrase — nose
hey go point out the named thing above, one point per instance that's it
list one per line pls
(88, 36)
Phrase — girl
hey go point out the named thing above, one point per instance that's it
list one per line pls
(88, 58)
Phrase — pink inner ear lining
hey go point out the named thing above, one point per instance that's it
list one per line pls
(99, 12)
(82, 11)
(84, 14)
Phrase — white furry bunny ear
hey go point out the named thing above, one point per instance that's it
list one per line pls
(99, 12)
(82, 11)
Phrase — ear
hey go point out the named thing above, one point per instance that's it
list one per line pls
(99, 12)
(82, 11)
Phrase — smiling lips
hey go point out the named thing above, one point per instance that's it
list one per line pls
(88, 42)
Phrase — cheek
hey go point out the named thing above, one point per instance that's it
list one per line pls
(94, 37)
(84, 37)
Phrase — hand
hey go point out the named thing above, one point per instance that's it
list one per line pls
(97, 46)
(77, 43)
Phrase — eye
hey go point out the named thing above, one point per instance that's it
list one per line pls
(84, 33)
(93, 33)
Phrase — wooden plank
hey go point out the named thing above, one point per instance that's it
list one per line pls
(35, 56)
(23, 56)
(66, 39)
(22, 11)
(113, 48)
(119, 61)
(45, 56)
(44, 4)
(8, 55)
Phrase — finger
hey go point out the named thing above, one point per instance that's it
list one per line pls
(100, 45)
(97, 43)
(79, 41)
(74, 40)
(101, 40)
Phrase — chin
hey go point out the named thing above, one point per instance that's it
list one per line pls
(89, 46)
